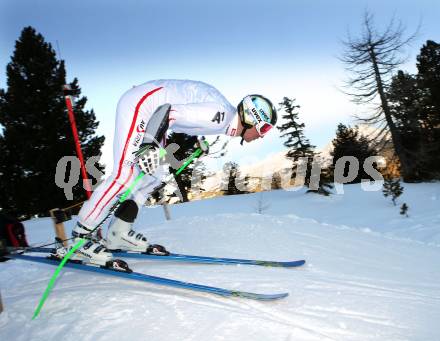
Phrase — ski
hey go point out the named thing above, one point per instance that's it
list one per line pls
(210, 260)
(152, 279)
(176, 257)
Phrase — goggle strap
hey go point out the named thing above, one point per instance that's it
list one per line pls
(242, 135)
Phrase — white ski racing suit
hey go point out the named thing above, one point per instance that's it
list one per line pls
(196, 109)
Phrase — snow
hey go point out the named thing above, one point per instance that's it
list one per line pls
(371, 274)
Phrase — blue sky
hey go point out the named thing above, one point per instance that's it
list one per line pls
(276, 48)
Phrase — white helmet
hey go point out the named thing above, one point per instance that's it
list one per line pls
(257, 111)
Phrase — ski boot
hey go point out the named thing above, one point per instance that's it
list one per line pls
(121, 237)
(93, 251)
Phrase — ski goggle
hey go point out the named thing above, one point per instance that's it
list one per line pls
(253, 119)
(263, 128)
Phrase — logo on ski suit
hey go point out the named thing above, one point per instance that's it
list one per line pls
(140, 133)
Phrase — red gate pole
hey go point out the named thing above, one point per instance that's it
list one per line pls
(69, 104)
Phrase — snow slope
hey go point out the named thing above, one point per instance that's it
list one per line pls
(371, 274)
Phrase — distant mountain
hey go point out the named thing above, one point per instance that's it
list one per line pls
(277, 162)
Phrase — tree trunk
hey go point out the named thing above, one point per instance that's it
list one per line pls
(407, 165)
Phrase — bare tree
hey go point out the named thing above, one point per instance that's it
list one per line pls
(371, 60)
(262, 205)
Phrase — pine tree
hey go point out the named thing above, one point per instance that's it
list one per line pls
(298, 144)
(428, 66)
(415, 108)
(404, 209)
(392, 188)
(235, 183)
(428, 79)
(405, 106)
(325, 182)
(348, 142)
(299, 147)
(230, 172)
(276, 181)
(36, 131)
(188, 145)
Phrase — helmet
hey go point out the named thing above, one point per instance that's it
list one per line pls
(257, 111)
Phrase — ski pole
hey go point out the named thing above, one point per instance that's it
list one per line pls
(195, 155)
(55, 275)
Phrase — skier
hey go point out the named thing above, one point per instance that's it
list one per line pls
(143, 115)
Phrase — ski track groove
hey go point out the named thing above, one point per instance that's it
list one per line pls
(253, 310)
(258, 309)
(351, 300)
(233, 306)
(347, 284)
(377, 320)
(237, 306)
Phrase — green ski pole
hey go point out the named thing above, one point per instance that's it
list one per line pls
(54, 277)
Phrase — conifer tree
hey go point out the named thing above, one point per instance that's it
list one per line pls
(393, 189)
(348, 142)
(276, 181)
(235, 183)
(415, 108)
(404, 209)
(428, 66)
(428, 79)
(37, 132)
(299, 147)
(405, 106)
(325, 182)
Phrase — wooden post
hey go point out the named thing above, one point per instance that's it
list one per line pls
(59, 217)
(1, 303)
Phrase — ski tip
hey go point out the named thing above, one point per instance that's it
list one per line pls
(275, 264)
(294, 263)
(259, 297)
(275, 296)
